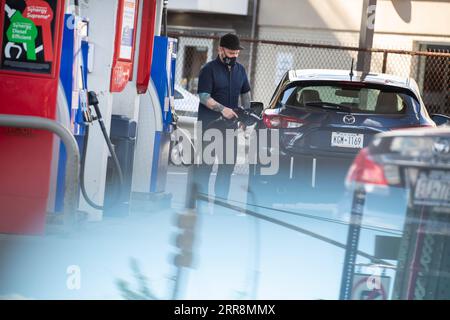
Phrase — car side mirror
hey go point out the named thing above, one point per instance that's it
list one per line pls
(441, 120)
(257, 107)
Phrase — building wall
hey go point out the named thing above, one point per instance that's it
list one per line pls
(239, 7)
(269, 68)
(209, 23)
(394, 17)
(400, 24)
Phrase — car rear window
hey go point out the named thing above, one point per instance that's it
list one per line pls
(360, 98)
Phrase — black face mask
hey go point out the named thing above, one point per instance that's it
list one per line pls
(229, 61)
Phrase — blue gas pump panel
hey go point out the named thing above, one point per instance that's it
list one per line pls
(163, 75)
(73, 74)
(73, 77)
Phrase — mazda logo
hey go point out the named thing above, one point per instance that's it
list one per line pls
(349, 119)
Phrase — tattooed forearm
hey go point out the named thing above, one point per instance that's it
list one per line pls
(217, 107)
(205, 99)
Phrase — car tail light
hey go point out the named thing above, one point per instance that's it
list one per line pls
(285, 122)
(365, 170)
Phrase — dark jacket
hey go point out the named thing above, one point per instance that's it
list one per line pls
(223, 85)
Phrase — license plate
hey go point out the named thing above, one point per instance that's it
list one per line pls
(347, 140)
(432, 188)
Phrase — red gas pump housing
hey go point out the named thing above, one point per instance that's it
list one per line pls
(30, 43)
(146, 45)
(122, 70)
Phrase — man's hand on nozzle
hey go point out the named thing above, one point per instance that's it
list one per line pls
(228, 113)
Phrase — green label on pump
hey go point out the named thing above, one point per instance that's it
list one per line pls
(22, 30)
(28, 35)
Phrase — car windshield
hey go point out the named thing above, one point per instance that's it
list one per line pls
(356, 98)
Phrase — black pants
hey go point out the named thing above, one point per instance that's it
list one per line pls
(202, 171)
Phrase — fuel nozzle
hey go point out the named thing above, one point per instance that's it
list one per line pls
(84, 107)
(92, 98)
(93, 101)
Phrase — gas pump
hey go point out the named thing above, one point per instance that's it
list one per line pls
(73, 77)
(155, 127)
(163, 76)
(30, 46)
(117, 194)
(30, 58)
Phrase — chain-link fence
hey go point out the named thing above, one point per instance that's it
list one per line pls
(266, 61)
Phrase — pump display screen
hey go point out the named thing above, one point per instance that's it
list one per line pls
(28, 35)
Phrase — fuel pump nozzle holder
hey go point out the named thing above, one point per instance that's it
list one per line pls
(93, 101)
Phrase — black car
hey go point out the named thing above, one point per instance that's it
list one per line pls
(325, 117)
(402, 181)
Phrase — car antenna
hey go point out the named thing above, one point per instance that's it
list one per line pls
(351, 70)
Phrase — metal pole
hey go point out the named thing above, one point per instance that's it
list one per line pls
(385, 57)
(190, 204)
(77, 7)
(253, 36)
(71, 183)
(354, 229)
(164, 17)
(176, 286)
(366, 35)
(158, 17)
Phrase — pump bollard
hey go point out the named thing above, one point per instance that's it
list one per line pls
(192, 191)
(257, 250)
(354, 229)
(73, 159)
(186, 222)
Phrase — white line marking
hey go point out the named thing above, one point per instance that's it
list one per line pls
(313, 182)
(292, 168)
